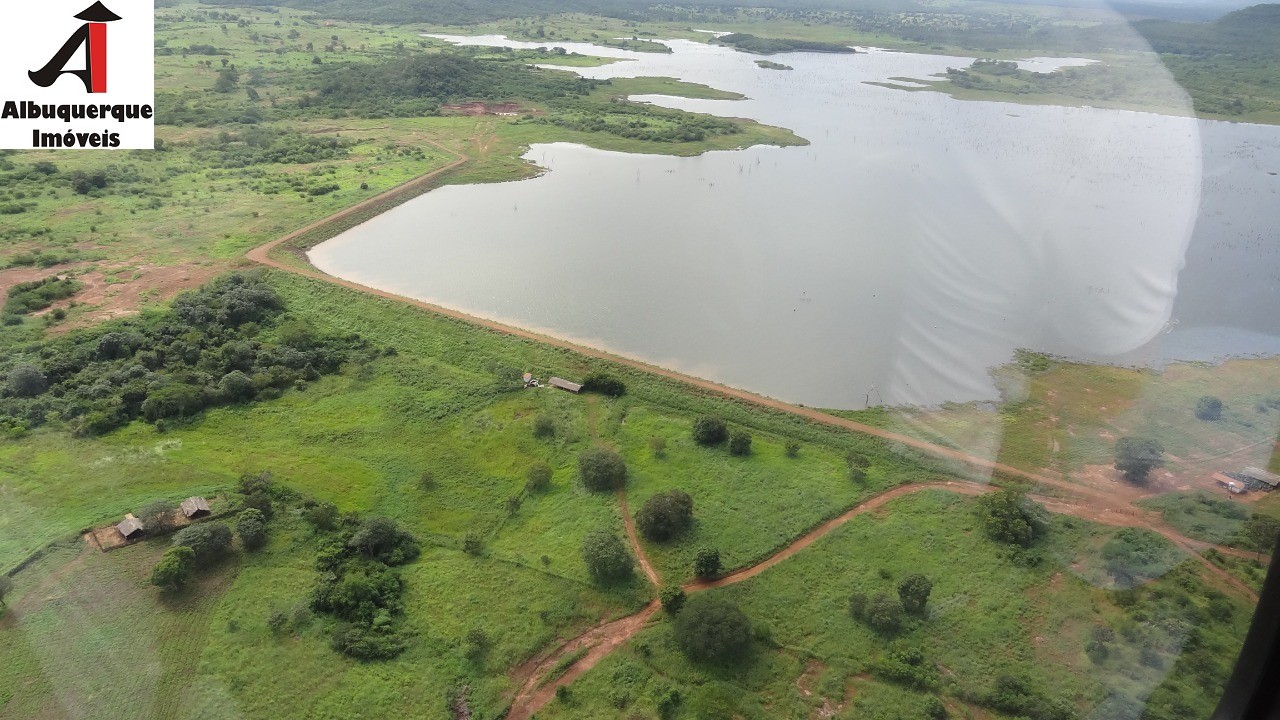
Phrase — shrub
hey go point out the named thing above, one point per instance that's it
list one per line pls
(367, 644)
(710, 430)
(604, 384)
(208, 541)
(706, 564)
(658, 446)
(712, 629)
(251, 526)
(740, 443)
(174, 568)
(321, 516)
(672, 598)
(793, 448)
(538, 477)
(427, 480)
(543, 427)
(1209, 408)
(883, 613)
(601, 469)
(665, 515)
(914, 591)
(277, 621)
(606, 556)
(1136, 457)
(473, 544)
(858, 464)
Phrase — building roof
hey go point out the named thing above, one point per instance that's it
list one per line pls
(129, 526)
(564, 384)
(193, 506)
(1262, 476)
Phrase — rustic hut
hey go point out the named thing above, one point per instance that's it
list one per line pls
(1259, 479)
(194, 507)
(563, 384)
(130, 527)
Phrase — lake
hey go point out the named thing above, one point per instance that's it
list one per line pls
(913, 245)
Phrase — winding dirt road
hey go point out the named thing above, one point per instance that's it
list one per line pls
(536, 690)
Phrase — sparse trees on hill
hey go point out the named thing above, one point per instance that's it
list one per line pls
(606, 556)
(1136, 457)
(711, 629)
(601, 469)
(665, 515)
(710, 430)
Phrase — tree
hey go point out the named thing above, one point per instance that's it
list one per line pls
(208, 541)
(665, 515)
(710, 430)
(27, 381)
(1008, 516)
(706, 564)
(601, 468)
(740, 443)
(1259, 533)
(543, 427)
(672, 598)
(1138, 456)
(606, 556)
(174, 568)
(883, 613)
(251, 526)
(157, 516)
(711, 629)
(914, 591)
(382, 539)
(538, 477)
(6, 587)
(1209, 408)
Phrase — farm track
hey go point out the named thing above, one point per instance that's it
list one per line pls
(1094, 504)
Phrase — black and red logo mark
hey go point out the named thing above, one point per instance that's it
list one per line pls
(93, 36)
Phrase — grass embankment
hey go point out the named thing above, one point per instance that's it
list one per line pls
(990, 616)
(362, 439)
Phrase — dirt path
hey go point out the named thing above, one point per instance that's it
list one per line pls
(537, 691)
(627, 520)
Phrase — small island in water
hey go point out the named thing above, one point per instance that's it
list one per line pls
(770, 65)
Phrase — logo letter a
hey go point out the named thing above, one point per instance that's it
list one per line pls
(93, 35)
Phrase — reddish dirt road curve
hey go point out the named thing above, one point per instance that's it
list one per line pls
(537, 689)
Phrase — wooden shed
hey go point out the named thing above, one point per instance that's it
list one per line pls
(563, 384)
(1259, 479)
(130, 527)
(194, 507)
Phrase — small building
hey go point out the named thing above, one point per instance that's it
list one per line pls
(194, 507)
(1259, 479)
(130, 527)
(563, 384)
(1231, 485)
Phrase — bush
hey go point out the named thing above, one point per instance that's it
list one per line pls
(208, 541)
(706, 564)
(882, 613)
(1209, 408)
(251, 526)
(543, 427)
(712, 629)
(672, 598)
(367, 644)
(601, 469)
(473, 544)
(710, 430)
(174, 568)
(236, 386)
(740, 443)
(1136, 457)
(658, 446)
(665, 515)
(858, 465)
(606, 556)
(793, 448)
(321, 516)
(604, 384)
(538, 477)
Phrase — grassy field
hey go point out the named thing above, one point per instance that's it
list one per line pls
(989, 617)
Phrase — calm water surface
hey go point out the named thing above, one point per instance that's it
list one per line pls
(914, 244)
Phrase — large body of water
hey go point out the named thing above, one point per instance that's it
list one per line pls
(914, 244)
